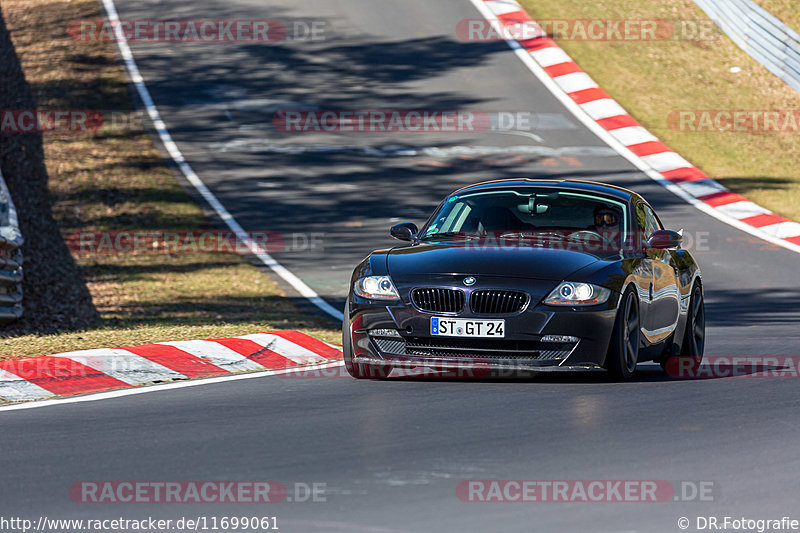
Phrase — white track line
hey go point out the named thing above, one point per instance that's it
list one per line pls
(638, 162)
(176, 155)
(158, 388)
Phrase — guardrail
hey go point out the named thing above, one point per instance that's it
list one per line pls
(765, 38)
(10, 258)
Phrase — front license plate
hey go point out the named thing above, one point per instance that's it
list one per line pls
(463, 327)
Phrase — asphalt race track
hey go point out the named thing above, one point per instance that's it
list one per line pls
(392, 453)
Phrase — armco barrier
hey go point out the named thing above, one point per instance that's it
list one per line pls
(10, 258)
(765, 38)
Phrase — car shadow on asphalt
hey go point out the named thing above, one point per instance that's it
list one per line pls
(718, 368)
(647, 373)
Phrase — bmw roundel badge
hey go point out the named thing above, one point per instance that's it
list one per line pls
(469, 280)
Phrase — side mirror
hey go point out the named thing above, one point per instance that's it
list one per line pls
(405, 231)
(664, 239)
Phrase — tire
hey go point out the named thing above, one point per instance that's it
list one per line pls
(358, 370)
(623, 351)
(690, 356)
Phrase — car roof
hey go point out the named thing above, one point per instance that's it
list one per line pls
(580, 185)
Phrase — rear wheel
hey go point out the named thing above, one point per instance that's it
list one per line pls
(358, 370)
(694, 337)
(623, 351)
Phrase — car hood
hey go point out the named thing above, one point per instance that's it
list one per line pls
(510, 262)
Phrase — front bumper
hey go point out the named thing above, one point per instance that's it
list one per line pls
(539, 339)
(472, 369)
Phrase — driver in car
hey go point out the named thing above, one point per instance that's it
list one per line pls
(607, 224)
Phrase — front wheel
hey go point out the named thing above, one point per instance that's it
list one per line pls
(358, 370)
(623, 351)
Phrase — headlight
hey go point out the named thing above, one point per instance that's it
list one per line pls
(573, 293)
(376, 288)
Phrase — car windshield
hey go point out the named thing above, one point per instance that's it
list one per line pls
(556, 214)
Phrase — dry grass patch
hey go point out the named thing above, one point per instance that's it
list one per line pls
(118, 181)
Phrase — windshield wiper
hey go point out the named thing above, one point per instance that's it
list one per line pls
(543, 235)
(446, 235)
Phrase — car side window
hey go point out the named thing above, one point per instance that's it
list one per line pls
(641, 219)
(646, 222)
(651, 221)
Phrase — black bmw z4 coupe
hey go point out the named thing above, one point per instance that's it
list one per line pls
(526, 275)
